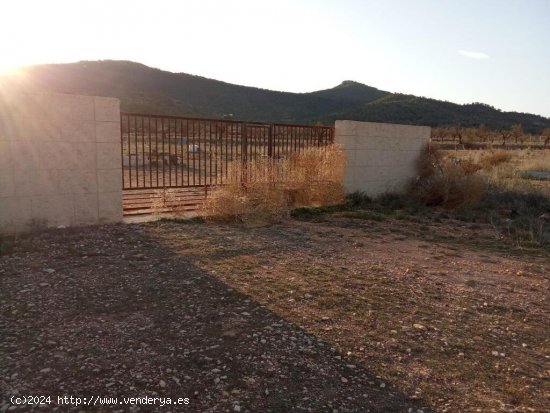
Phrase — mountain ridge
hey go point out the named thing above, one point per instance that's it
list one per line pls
(151, 90)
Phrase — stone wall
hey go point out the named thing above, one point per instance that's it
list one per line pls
(380, 157)
(60, 161)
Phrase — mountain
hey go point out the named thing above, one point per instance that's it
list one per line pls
(144, 89)
(352, 92)
(148, 90)
(409, 109)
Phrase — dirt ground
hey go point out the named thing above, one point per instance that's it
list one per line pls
(349, 314)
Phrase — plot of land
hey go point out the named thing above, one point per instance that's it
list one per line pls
(354, 313)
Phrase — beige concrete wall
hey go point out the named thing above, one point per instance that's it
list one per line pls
(59, 161)
(380, 157)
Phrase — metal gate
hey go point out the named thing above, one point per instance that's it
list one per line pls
(186, 156)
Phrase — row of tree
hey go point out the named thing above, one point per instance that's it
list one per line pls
(482, 134)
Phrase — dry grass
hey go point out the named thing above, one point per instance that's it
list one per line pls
(442, 182)
(341, 281)
(537, 164)
(470, 167)
(265, 190)
(493, 158)
(505, 170)
(515, 202)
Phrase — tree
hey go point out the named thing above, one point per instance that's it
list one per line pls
(469, 135)
(438, 134)
(481, 133)
(456, 133)
(517, 132)
(505, 134)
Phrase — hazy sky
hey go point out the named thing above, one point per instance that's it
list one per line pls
(496, 52)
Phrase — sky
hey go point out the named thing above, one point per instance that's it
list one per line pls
(495, 52)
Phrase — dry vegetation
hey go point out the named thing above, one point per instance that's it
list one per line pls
(463, 174)
(267, 189)
(505, 169)
(442, 182)
(488, 186)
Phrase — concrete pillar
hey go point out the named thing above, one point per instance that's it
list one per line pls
(380, 157)
(59, 161)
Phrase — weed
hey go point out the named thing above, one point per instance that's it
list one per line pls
(516, 216)
(470, 167)
(265, 190)
(508, 170)
(442, 182)
(494, 158)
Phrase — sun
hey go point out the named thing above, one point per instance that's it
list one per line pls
(10, 67)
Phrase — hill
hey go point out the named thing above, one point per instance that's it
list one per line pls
(352, 92)
(144, 89)
(148, 90)
(409, 109)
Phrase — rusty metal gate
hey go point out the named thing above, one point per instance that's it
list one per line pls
(186, 156)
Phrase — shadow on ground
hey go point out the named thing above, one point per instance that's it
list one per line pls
(109, 311)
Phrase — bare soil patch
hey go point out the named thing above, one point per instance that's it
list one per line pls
(350, 314)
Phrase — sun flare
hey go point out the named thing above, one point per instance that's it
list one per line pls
(10, 69)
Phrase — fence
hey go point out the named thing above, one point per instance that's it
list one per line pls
(176, 152)
(160, 152)
(61, 158)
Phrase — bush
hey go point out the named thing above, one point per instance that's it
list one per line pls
(445, 183)
(252, 204)
(469, 167)
(494, 158)
(265, 190)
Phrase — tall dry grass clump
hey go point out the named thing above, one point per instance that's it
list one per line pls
(316, 177)
(442, 182)
(494, 158)
(265, 190)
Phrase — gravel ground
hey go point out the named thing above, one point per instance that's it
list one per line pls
(340, 316)
(108, 311)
